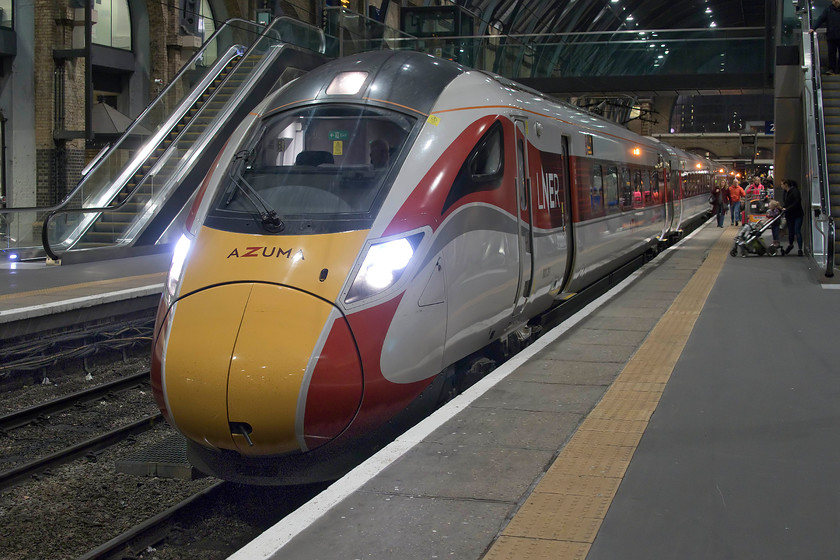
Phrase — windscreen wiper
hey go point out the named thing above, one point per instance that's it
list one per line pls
(269, 217)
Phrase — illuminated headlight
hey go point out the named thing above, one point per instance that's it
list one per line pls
(382, 267)
(347, 83)
(179, 257)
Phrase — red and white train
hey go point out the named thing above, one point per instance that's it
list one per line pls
(370, 225)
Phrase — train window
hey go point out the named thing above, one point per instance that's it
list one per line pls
(596, 190)
(654, 188)
(483, 169)
(626, 189)
(611, 189)
(637, 189)
(327, 163)
(486, 160)
(521, 174)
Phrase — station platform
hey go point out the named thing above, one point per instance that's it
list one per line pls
(690, 412)
(37, 297)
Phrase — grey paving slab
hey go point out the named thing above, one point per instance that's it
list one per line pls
(622, 323)
(462, 470)
(740, 457)
(391, 527)
(652, 301)
(607, 337)
(520, 429)
(618, 353)
(518, 395)
(630, 309)
(546, 370)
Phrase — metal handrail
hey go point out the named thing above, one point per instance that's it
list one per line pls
(145, 112)
(812, 49)
(270, 29)
(106, 197)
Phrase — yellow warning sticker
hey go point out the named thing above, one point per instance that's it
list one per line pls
(433, 120)
(338, 147)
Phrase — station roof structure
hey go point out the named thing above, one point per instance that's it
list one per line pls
(594, 46)
(574, 16)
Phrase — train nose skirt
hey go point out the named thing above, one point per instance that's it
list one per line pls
(165, 459)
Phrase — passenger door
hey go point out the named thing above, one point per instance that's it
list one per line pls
(667, 176)
(524, 217)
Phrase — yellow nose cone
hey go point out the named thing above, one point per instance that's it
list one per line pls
(237, 361)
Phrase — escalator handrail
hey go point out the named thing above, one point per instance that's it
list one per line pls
(199, 144)
(186, 104)
(137, 161)
(149, 108)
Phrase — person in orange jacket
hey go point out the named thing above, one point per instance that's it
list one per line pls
(736, 193)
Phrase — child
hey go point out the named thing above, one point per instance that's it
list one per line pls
(773, 211)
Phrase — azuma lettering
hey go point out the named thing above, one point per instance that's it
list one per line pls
(262, 251)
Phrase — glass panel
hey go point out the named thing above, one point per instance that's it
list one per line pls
(101, 30)
(611, 189)
(120, 25)
(596, 192)
(6, 13)
(206, 28)
(614, 53)
(120, 170)
(113, 25)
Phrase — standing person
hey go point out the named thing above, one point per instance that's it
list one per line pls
(793, 213)
(735, 195)
(719, 200)
(755, 190)
(831, 19)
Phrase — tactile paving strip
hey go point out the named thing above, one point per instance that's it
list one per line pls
(562, 516)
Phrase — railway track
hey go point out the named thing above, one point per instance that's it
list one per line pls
(155, 529)
(42, 413)
(191, 528)
(33, 413)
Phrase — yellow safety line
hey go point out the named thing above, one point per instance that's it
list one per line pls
(562, 516)
(47, 291)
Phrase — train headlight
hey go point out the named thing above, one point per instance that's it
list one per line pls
(382, 267)
(179, 257)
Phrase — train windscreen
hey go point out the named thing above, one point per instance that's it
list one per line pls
(321, 169)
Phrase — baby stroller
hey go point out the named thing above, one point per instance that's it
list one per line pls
(749, 241)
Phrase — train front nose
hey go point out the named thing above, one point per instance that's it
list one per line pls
(243, 360)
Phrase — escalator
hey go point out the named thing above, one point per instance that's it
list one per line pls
(821, 128)
(831, 122)
(109, 228)
(132, 205)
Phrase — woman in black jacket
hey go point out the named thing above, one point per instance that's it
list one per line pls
(792, 203)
